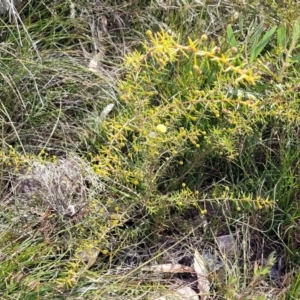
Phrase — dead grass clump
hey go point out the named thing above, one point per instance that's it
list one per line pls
(65, 185)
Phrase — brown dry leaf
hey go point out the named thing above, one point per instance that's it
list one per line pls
(202, 274)
(187, 293)
(90, 256)
(92, 259)
(94, 63)
(107, 109)
(104, 24)
(169, 268)
(183, 293)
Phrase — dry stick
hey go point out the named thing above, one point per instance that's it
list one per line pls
(286, 64)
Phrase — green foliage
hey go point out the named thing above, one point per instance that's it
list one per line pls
(195, 135)
(294, 292)
(259, 44)
(175, 111)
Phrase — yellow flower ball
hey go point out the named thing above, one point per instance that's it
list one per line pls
(161, 128)
(149, 32)
(204, 37)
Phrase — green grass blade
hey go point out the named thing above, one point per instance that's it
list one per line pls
(241, 23)
(230, 36)
(281, 36)
(295, 58)
(262, 44)
(296, 32)
(257, 34)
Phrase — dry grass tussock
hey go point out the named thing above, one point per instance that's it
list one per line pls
(65, 185)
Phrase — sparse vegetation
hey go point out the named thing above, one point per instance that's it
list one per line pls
(141, 138)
